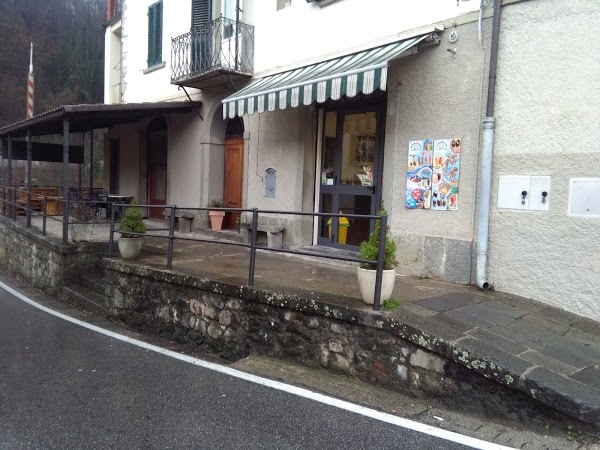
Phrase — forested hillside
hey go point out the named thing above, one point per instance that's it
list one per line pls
(68, 41)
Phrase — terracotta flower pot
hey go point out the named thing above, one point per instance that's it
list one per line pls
(216, 219)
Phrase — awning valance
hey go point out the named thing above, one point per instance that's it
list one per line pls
(349, 75)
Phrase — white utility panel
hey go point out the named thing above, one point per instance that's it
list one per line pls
(584, 197)
(510, 188)
(537, 200)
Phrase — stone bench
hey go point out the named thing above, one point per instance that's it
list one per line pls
(183, 220)
(274, 234)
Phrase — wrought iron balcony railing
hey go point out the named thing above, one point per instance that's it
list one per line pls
(221, 45)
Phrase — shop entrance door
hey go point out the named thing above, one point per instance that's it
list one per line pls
(351, 166)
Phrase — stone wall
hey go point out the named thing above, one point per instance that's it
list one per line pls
(44, 262)
(236, 321)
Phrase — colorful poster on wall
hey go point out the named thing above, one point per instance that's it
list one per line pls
(446, 174)
(419, 172)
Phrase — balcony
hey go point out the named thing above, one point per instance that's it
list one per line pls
(211, 54)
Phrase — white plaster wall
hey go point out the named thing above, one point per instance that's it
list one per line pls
(154, 85)
(305, 31)
(112, 61)
(547, 124)
(435, 95)
(184, 160)
(129, 161)
(278, 140)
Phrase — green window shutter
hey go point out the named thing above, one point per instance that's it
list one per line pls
(201, 12)
(155, 34)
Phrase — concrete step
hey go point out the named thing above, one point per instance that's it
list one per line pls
(85, 298)
(223, 235)
(94, 282)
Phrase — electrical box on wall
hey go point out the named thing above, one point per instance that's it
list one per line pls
(513, 191)
(584, 197)
(538, 193)
(524, 192)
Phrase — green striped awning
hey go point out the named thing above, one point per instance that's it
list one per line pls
(347, 75)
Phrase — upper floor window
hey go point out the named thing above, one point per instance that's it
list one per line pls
(201, 12)
(283, 4)
(155, 34)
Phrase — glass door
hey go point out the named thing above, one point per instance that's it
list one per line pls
(350, 175)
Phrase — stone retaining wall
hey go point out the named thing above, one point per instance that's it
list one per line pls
(44, 262)
(236, 321)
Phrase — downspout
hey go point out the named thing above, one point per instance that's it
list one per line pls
(487, 150)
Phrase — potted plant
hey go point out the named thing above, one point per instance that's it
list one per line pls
(216, 217)
(367, 271)
(131, 228)
(81, 217)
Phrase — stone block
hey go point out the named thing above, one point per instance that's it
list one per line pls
(275, 240)
(433, 257)
(402, 372)
(226, 318)
(324, 355)
(336, 347)
(197, 307)
(427, 361)
(410, 254)
(312, 323)
(214, 330)
(457, 261)
(340, 362)
(211, 312)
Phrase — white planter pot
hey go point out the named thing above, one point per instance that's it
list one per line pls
(130, 248)
(366, 283)
(81, 232)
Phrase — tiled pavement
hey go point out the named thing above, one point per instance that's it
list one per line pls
(545, 352)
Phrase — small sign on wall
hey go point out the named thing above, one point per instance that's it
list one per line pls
(270, 183)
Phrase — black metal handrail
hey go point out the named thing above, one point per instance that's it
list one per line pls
(253, 246)
(11, 201)
(222, 44)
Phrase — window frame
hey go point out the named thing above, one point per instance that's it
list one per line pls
(155, 25)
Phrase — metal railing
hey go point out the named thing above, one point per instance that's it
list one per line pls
(47, 207)
(11, 206)
(222, 44)
(253, 245)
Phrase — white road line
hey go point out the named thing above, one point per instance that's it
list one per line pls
(294, 390)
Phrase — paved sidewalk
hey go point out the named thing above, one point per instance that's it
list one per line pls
(548, 353)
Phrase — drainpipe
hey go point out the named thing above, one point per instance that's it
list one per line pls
(487, 150)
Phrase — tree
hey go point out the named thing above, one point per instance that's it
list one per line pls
(68, 54)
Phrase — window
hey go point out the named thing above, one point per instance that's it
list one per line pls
(283, 4)
(155, 34)
(201, 13)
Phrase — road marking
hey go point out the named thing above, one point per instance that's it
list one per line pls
(294, 390)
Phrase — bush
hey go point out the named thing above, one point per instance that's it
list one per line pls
(370, 248)
(216, 204)
(133, 222)
(81, 213)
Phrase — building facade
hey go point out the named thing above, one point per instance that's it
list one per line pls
(328, 106)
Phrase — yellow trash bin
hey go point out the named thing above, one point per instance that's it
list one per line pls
(343, 226)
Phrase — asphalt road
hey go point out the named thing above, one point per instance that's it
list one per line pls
(65, 386)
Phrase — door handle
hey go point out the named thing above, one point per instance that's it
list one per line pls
(373, 189)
